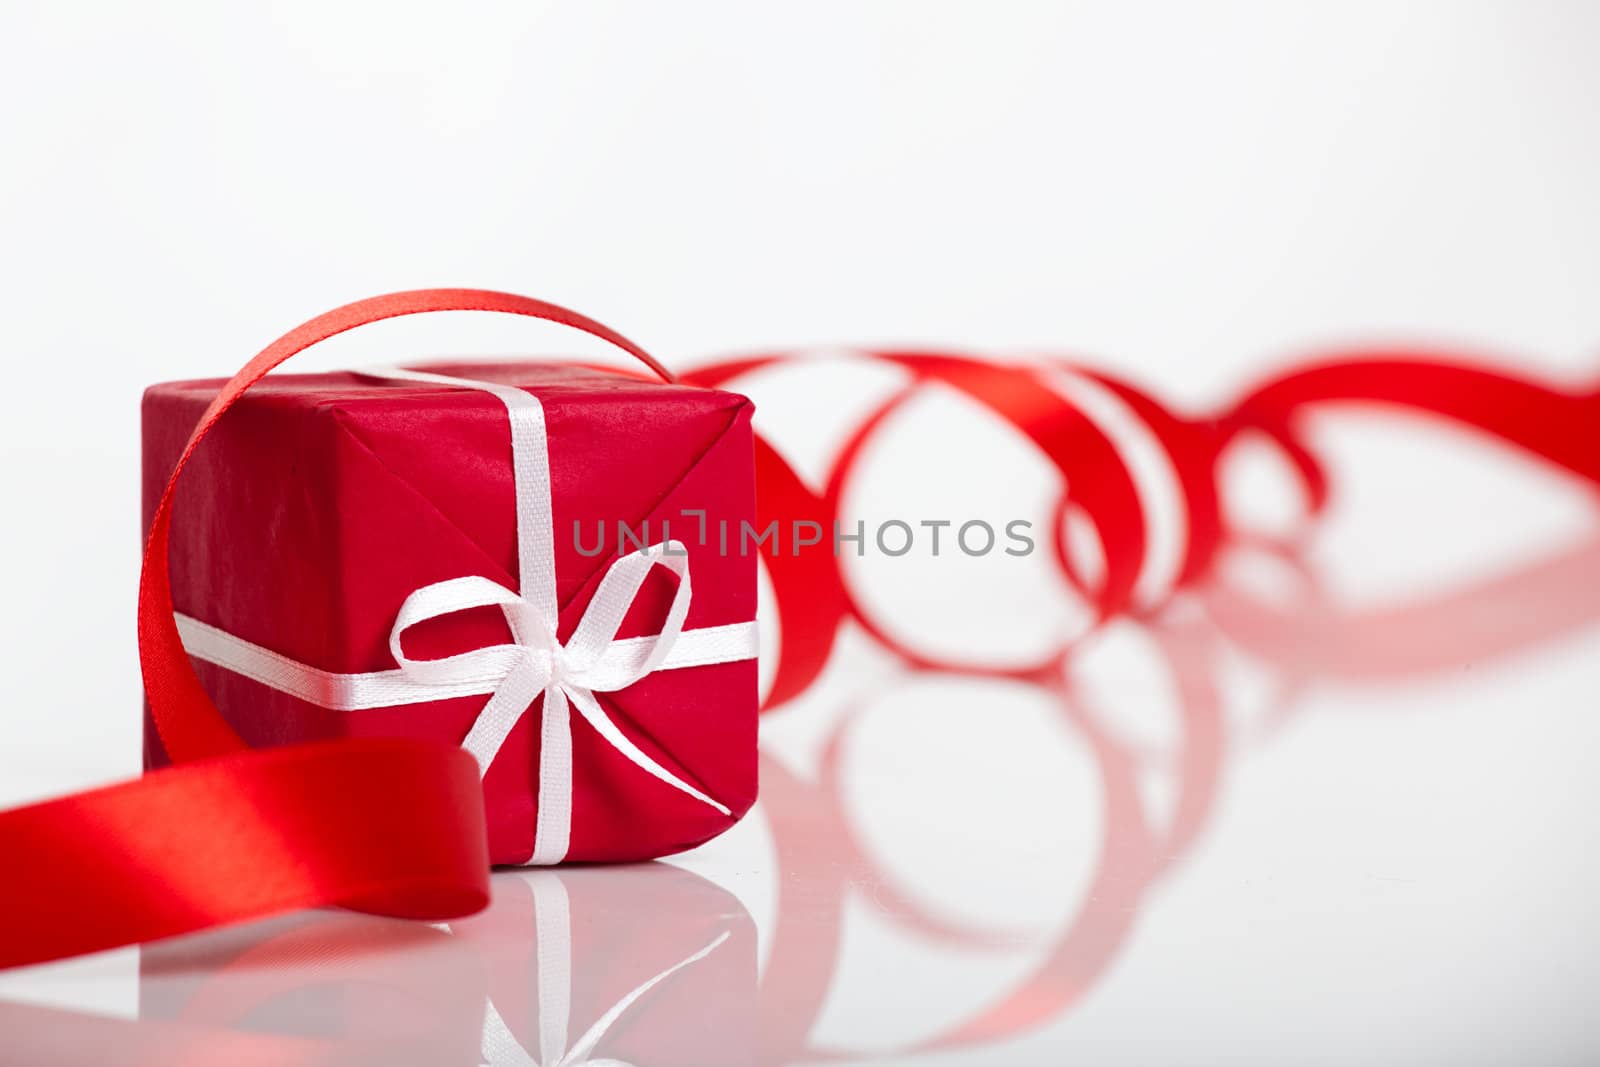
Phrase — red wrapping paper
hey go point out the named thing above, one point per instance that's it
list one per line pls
(321, 501)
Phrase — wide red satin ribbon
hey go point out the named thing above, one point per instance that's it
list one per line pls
(392, 827)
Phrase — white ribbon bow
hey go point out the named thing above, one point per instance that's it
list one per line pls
(535, 662)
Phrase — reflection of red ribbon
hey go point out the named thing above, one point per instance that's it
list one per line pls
(811, 826)
(389, 992)
(627, 951)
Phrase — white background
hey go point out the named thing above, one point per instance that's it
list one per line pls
(1188, 194)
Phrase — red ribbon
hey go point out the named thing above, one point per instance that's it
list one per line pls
(813, 600)
(396, 827)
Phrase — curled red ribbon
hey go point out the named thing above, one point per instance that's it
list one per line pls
(813, 600)
(396, 827)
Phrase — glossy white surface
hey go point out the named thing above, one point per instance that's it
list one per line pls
(1211, 843)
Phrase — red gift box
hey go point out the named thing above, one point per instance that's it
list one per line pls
(322, 506)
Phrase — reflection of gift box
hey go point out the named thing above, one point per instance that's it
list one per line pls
(332, 520)
(648, 965)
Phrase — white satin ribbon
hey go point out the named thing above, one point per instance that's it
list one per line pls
(535, 662)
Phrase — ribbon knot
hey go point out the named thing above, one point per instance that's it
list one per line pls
(536, 663)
